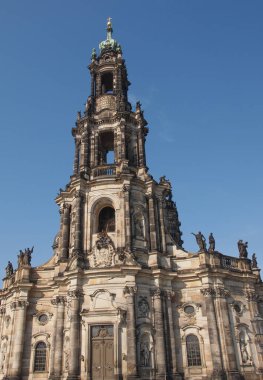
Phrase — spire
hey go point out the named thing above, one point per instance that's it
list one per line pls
(109, 43)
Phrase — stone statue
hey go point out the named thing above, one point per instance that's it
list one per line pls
(212, 243)
(139, 226)
(138, 106)
(243, 350)
(145, 355)
(9, 270)
(201, 241)
(254, 263)
(242, 247)
(24, 257)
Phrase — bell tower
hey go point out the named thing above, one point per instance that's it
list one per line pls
(111, 191)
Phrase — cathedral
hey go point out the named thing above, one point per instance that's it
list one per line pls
(121, 298)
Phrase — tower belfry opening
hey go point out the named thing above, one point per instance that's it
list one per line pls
(121, 299)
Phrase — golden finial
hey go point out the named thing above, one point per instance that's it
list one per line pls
(109, 22)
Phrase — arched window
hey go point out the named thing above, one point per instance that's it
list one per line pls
(107, 83)
(40, 357)
(106, 148)
(106, 220)
(193, 351)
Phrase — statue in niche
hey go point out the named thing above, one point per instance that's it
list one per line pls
(242, 247)
(143, 307)
(145, 354)
(244, 348)
(200, 240)
(139, 226)
(212, 243)
(9, 270)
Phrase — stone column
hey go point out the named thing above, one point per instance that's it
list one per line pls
(152, 223)
(173, 366)
(92, 151)
(65, 232)
(78, 224)
(76, 157)
(159, 334)
(84, 153)
(140, 147)
(98, 85)
(161, 205)
(92, 83)
(96, 149)
(129, 292)
(216, 350)
(226, 335)
(74, 362)
(126, 192)
(56, 368)
(15, 365)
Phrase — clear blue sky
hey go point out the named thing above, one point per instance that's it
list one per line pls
(196, 66)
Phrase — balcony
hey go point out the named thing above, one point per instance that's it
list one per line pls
(104, 171)
(106, 102)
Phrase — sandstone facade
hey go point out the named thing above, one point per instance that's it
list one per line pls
(121, 298)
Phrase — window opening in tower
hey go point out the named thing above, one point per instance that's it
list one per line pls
(106, 148)
(106, 220)
(107, 83)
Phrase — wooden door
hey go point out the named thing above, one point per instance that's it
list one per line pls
(102, 352)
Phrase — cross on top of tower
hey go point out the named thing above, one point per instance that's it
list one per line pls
(109, 43)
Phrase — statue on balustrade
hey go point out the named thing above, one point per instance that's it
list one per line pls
(242, 247)
(212, 243)
(24, 257)
(9, 270)
(201, 241)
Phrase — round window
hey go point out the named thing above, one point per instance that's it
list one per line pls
(43, 319)
(189, 309)
(237, 308)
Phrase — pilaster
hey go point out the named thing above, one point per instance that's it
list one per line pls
(129, 293)
(157, 295)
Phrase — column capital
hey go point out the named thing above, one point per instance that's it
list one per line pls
(219, 292)
(157, 292)
(251, 295)
(66, 206)
(59, 300)
(75, 294)
(19, 305)
(78, 195)
(170, 295)
(129, 290)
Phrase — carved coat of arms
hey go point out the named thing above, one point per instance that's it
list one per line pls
(102, 253)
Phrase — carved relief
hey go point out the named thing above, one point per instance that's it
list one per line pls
(102, 253)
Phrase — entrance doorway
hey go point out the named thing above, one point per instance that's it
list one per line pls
(102, 352)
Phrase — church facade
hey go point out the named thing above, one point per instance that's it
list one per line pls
(121, 298)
